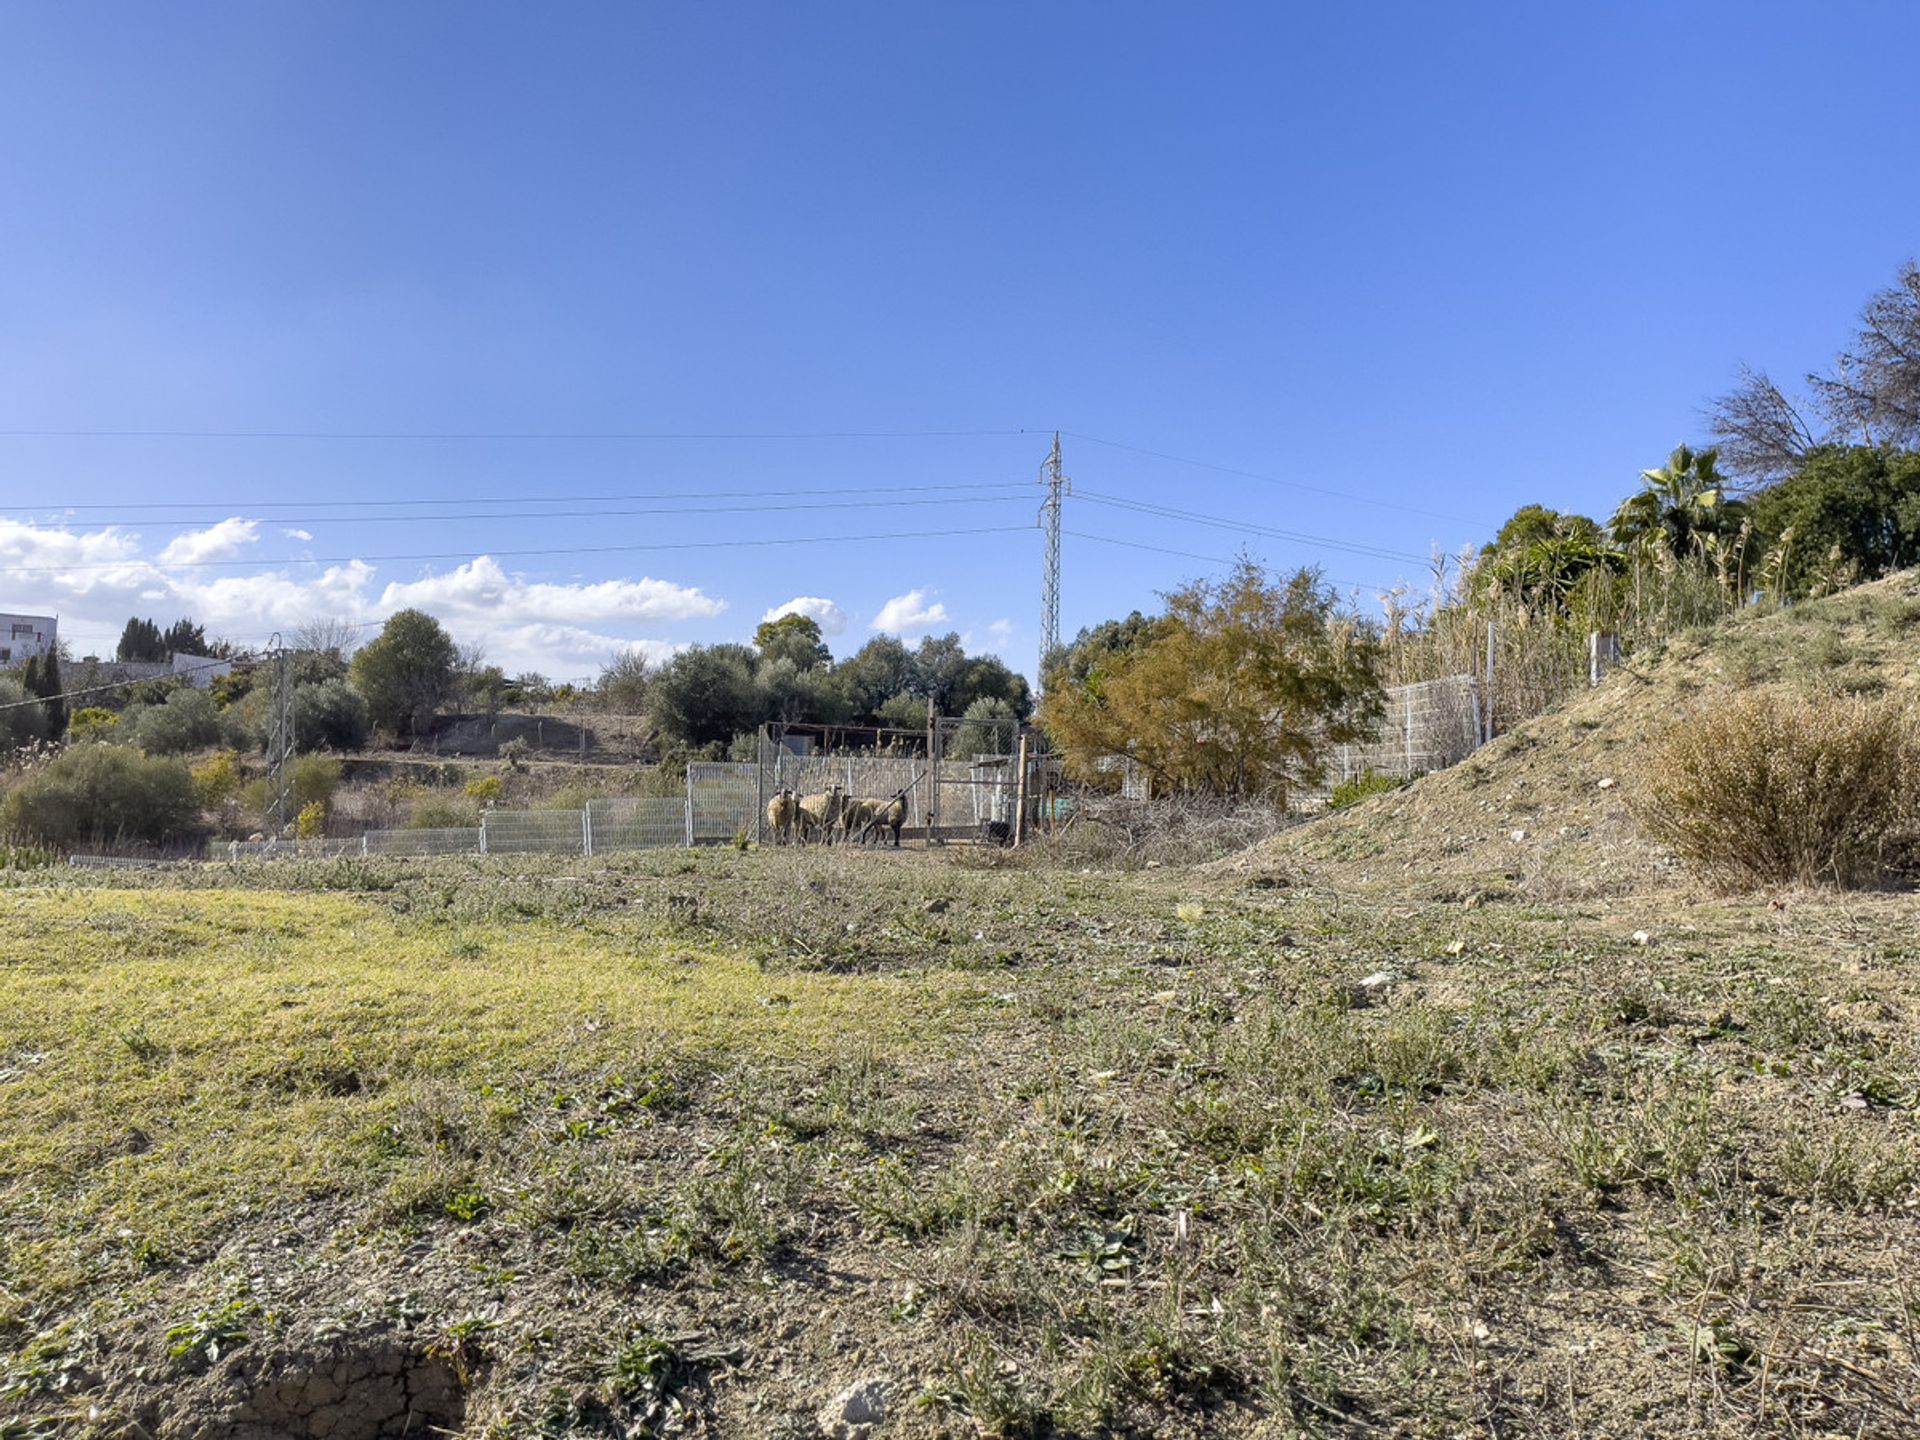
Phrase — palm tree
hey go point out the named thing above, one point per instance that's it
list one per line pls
(1681, 508)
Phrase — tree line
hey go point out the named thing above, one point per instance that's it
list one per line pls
(703, 700)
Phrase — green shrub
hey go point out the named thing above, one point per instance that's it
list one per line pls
(312, 781)
(1368, 782)
(187, 720)
(217, 781)
(486, 790)
(329, 716)
(101, 793)
(440, 812)
(315, 778)
(312, 822)
(20, 721)
(28, 857)
(1763, 787)
(95, 722)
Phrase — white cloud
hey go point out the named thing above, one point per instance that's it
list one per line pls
(298, 534)
(94, 580)
(831, 619)
(480, 589)
(216, 542)
(911, 611)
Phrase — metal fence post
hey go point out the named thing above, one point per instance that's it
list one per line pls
(586, 828)
(760, 782)
(483, 832)
(1491, 634)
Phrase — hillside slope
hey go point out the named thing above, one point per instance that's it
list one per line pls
(1545, 810)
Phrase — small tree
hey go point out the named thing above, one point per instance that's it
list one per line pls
(989, 728)
(794, 637)
(1859, 505)
(622, 688)
(1681, 508)
(705, 695)
(1242, 690)
(41, 676)
(187, 721)
(407, 673)
(328, 636)
(141, 643)
(329, 716)
(183, 637)
(21, 719)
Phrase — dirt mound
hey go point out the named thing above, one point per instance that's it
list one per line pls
(338, 1392)
(1545, 811)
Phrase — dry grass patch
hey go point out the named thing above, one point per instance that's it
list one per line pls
(1765, 787)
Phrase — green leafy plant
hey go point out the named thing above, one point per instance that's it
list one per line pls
(214, 1332)
(1368, 782)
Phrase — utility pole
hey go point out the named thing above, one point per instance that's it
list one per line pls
(280, 742)
(1057, 485)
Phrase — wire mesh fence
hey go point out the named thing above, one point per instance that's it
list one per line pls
(313, 849)
(834, 794)
(457, 840)
(635, 824)
(1427, 726)
(959, 780)
(723, 801)
(534, 832)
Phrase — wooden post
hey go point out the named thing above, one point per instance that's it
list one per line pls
(1020, 798)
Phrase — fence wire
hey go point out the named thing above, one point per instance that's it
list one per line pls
(1427, 726)
(635, 824)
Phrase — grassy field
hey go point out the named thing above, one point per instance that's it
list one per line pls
(694, 1143)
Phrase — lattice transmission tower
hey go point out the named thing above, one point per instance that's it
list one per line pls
(1057, 485)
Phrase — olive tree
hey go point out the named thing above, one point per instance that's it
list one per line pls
(407, 672)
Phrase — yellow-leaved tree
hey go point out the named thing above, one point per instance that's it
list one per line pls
(1240, 688)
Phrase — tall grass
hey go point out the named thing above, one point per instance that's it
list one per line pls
(1540, 643)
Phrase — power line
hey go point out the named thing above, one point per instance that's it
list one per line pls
(108, 434)
(587, 514)
(1209, 559)
(243, 658)
(1276, 480)
(518, 554)
(527, 499)
(1221, 522)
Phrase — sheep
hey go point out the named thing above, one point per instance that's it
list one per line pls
(820, 812)
(854, 819)
(890, 815)
(783, 813)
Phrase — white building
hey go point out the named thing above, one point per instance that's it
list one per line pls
(22, 637)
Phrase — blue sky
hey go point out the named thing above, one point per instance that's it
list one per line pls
(1444, 260)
